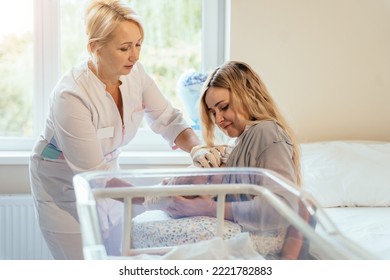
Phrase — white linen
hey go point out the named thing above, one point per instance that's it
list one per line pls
(351, 181)
(369, 227)
(342, 173)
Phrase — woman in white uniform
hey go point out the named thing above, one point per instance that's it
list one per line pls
(95, 109)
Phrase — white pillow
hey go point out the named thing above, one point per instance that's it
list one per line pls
(347, 173)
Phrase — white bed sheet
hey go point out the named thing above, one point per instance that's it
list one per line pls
(369, 227)
(347, 173)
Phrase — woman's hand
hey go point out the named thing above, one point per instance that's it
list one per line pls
(185, 207)
(203, 156)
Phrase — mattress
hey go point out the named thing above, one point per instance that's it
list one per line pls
(369, 227)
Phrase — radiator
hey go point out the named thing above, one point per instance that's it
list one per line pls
(20, 236)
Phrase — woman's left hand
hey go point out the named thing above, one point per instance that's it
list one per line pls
(188, 207)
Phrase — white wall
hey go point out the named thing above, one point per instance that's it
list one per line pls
(14, 179)
(327, 63)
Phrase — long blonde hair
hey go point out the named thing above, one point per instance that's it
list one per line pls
(103, 16)
(249, 97)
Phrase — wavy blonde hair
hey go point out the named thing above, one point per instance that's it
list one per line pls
(249, 97)
(103, 16)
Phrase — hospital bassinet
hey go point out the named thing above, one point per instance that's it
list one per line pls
(286, 219)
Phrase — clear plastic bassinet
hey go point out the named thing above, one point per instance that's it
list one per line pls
(273, 218)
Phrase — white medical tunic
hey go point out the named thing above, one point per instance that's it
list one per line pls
(84, 131)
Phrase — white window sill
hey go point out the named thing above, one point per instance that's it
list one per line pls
(140, 158)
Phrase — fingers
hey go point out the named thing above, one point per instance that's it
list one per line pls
(208, 157)
(201, 162)
(175, 208)
(221, 149)
(216, 157)
(172, 212)
(207, 160)
(225, 151)
(213, 158)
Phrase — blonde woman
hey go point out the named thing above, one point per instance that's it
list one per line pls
(95, 109)
(236, 101)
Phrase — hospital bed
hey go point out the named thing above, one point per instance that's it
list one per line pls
(289, 223)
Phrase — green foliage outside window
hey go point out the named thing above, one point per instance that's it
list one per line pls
(16, 86)
(172, 43)
(172, 46)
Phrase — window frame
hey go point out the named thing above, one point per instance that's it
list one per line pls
(47, 67)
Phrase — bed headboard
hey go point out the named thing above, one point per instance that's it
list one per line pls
(327, 63)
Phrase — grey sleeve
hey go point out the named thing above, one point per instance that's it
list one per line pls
(257, 215)
(264, 146)
(278, 157)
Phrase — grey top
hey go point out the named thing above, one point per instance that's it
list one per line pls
(263, 145)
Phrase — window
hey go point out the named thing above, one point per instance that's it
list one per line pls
(33, 59)
(16, 70)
